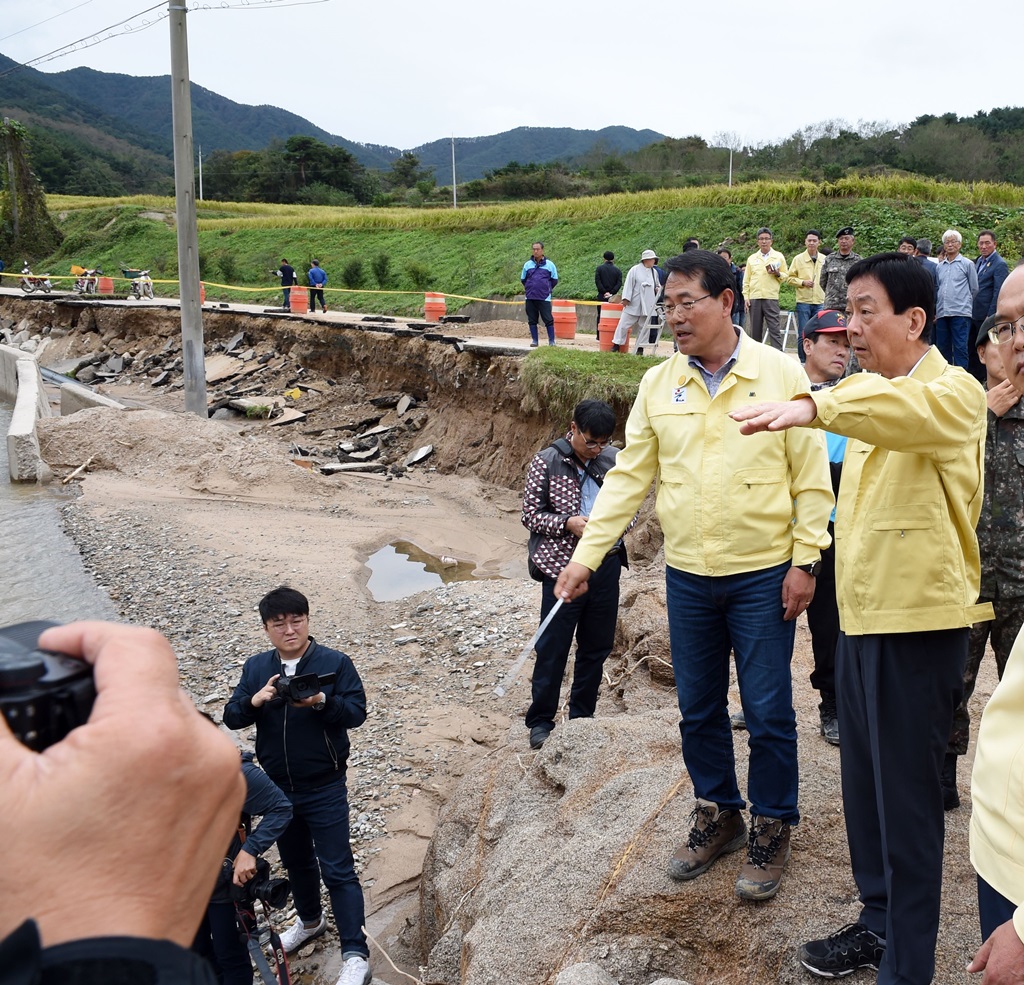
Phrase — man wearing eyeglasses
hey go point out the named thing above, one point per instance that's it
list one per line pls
(997, 811)
(744, 526)
(907, 571)
(562, 486)
(1000, 532)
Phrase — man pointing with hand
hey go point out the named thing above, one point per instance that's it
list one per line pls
(745, 523)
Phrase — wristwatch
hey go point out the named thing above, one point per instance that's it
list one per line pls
(320, 705)
(811, 569)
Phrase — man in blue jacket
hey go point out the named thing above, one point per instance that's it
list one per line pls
(317, 279)
(303, 746)
(539, 278)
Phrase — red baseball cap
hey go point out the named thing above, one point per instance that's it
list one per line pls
(828, 320)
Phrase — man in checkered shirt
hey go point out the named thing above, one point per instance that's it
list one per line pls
(561, 486)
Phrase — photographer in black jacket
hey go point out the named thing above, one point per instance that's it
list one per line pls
(220, 939)
(303, 745)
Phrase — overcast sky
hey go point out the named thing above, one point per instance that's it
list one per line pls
(404, 72)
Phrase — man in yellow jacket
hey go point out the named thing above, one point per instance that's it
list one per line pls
(762, 279)
(997, 788)
(908, 574)
(803, 274)
(744, 523)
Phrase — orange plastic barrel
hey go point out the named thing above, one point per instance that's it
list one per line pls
(299, 300)
(564, 313)
(105, 285)
(433, 306)
(610, 315)
(202, 293)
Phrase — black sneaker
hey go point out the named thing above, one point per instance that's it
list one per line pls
(538, 736)
(829, 719)
(841, 954)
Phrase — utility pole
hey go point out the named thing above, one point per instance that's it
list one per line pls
(12, 187)
(200, 172)
(192, 355)
(455, 197)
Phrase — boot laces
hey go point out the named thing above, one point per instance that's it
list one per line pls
(703, 827)
(762, 853)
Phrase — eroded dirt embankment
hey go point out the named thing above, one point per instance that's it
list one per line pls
(473, 401)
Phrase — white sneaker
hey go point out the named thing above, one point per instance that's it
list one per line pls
(298, 934)
(355, 970)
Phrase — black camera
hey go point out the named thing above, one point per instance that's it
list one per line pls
(43, 695)
(271, 892)
(301, 687)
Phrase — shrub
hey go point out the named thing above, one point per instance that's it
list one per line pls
(353, 274)
(381, 267)
(419, 275)
(228, 266)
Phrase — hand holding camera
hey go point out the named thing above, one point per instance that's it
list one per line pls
(143, 771)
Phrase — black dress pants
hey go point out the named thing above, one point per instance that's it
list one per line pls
(896, 694)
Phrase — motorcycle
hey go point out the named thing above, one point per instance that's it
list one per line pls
(87, 280)
(142, 285)
(30, 282)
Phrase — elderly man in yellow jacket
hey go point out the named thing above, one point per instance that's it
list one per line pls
(908, 575)
(997, 788)
(745, 522)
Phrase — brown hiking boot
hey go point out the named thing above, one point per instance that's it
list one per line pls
(712, 833)
(767, 855)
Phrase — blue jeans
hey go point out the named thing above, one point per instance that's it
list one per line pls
(592, 618)
(315, 843)
(951, 335)
(804, 313)
(286, 303)
(707, 617)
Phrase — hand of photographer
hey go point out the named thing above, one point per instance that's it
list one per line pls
(313, 699)
(79, 821)
(245, 867)
(265, 693)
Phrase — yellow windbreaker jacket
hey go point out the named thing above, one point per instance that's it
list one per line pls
(906, 551)
(997, 789)
(728, 503)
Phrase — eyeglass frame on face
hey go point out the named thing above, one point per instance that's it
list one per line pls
(687, 306)
(589, 442)
(1015, 327)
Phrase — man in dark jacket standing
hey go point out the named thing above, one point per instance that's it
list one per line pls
(539, 278)
(287, 274)
(303, 746)
(992, 271)
(607, 280)
(561, 486)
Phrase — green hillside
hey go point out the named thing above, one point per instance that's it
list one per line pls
(479, 252)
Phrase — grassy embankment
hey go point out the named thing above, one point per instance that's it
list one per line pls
(479, 251)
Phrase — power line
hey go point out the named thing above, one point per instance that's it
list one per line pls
(46, 20)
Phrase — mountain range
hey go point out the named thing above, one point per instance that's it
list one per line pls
(105, 133)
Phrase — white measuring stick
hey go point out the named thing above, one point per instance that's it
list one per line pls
(513, 671)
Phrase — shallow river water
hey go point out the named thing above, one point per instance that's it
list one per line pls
(41, 574)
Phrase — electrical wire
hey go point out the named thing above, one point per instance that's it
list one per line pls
(46, 20)
(98, 37)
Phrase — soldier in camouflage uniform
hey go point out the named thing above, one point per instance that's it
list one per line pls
(834, 269)
(1000, 541)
